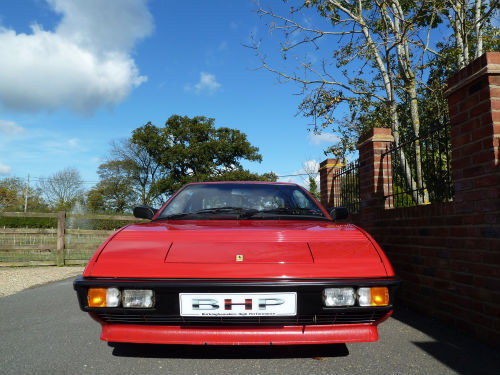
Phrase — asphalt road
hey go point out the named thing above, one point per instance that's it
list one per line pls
(43, 331)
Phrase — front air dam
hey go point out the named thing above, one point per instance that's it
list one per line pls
(282, 335)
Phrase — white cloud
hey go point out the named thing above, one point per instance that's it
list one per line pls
(207, 84)
(319, 138)
(301, 176)
(10, 128)
(111, 25)
(83, 65)
(5, 169)
(310, 166)
(61, 146)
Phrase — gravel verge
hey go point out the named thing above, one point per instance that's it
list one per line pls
(13, 280)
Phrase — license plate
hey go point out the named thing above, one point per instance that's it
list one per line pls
(238, 304)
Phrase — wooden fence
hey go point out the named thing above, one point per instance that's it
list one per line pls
(53, 246)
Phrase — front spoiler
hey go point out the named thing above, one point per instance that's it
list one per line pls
(287, 335)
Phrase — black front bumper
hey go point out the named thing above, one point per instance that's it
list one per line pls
(310, 310)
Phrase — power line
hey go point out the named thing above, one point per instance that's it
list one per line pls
(38, 179)
(297, 174)
(83, 182)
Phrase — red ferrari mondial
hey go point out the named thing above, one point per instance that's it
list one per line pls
(243, 263)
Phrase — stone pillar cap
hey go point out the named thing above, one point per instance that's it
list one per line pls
(486, 64)
(375, 135)
(330, 163)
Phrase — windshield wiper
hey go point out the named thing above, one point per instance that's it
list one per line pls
(240, 211)
(175, 216)
(289, 211)
(217, 210)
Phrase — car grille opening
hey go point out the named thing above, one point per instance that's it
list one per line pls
(349, 317)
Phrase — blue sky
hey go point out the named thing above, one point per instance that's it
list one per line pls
(75, 76)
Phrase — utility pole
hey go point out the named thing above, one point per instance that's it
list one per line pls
(26, 193)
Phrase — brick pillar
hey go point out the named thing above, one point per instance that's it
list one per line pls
(375, 172)
(329, 187)
(474, 106)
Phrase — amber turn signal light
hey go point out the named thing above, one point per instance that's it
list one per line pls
(376, 296)
(96, 297)
(379, 296)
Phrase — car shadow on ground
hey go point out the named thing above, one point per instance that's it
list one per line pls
(455, 349)
(228, 352)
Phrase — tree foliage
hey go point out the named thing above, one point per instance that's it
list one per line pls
(376, 59)
(115, 190)
(13, 192)
(193, 149)
(62, 189)
(441, 66)
(242, 175)
(313, 188)
(142, 169)
(156, 161)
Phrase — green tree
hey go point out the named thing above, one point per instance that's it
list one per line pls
(243, 175)
(449, 60)
(95, 200)
(377, 66)
(141, 169)
(115, 191)
(13, 194)
(63, 189)
(193, 149)
(313, 188)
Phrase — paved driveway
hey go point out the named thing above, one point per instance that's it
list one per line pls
(43, 331)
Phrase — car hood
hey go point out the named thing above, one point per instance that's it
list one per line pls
(239, 249)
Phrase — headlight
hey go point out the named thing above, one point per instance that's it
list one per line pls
(338, 297)
(113, 297)
(103, 297)
(139, 298)
(377, 296)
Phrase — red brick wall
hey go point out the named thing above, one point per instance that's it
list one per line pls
(448, 261)
(448, 255)
(329, 188)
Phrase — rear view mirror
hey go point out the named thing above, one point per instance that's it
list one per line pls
(144, 212)
(339, 213)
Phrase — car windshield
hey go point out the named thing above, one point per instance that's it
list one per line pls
(242, 201)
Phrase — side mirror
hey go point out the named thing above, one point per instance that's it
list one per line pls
(339, 213)
(144, 212)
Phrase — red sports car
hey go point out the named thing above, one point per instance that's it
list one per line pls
(247, 263)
